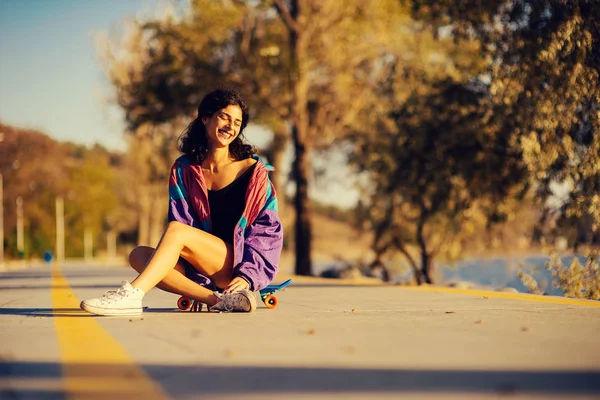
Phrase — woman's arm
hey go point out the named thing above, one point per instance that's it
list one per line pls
(180, 209)
(262, 248)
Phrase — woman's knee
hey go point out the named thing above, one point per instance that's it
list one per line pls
(176, 230)
(138, 258)
(175, 226)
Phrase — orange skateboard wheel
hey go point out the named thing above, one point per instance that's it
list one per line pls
(184, 303)
(270, 301)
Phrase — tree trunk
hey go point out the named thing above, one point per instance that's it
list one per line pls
(386, 273)
(302, 205)
(144, 217)
(299, 117)
(412, 262)
(426, 258)
(275, 154)
(426, 268)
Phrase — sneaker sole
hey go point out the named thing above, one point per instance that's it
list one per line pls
(110, 311)
(250, 296)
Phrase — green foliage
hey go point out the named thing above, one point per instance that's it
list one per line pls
(521, 113)
(438, 175)
(576, 280)
(543, 64)
(530, 282)
(39, 169)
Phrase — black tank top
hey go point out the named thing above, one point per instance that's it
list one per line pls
(227, 205)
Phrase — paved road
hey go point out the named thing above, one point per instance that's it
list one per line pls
(327, 339)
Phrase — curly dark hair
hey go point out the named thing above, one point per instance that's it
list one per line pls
(193, 141)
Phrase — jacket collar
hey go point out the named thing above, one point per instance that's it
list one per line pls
(268, 166)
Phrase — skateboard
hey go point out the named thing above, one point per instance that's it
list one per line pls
(266, 295)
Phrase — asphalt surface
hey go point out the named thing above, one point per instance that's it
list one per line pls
(326, 339)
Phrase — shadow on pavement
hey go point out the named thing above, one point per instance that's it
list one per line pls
(45, 312)
(49, 286)
(4, 276)
(194, 381)
(77, 312)
(69, 274)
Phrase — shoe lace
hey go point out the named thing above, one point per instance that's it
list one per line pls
(225, 300)
(113, 294)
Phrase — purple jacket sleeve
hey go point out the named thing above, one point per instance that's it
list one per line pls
(262, 249)
(179, 208)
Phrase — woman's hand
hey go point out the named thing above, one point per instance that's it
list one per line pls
(237, 283)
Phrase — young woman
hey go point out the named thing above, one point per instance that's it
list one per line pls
(224, 236)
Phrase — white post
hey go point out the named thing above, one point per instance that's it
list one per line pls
(1, 221)
(60, 229)
(87, 245)
(111, 246)
(20, 239)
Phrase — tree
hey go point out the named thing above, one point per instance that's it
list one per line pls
(39, 169)
(36, 183)
(91, 197)
(436, 175)
(575, 280)
(543, 65)
(335, 51)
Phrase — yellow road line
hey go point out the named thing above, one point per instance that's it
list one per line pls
(514, 296)
(93, 362)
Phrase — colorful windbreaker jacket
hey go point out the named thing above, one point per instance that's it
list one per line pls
(258, 235)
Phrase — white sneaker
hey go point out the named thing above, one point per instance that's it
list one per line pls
(124, 301)
(239, 301)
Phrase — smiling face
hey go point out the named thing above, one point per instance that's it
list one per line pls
(223, 126)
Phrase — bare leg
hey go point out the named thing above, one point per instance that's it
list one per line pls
(207, 253)
(175, 281)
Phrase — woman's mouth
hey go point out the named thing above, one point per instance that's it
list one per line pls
(225, 134)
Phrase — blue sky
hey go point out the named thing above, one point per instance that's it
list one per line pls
(50, 77)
